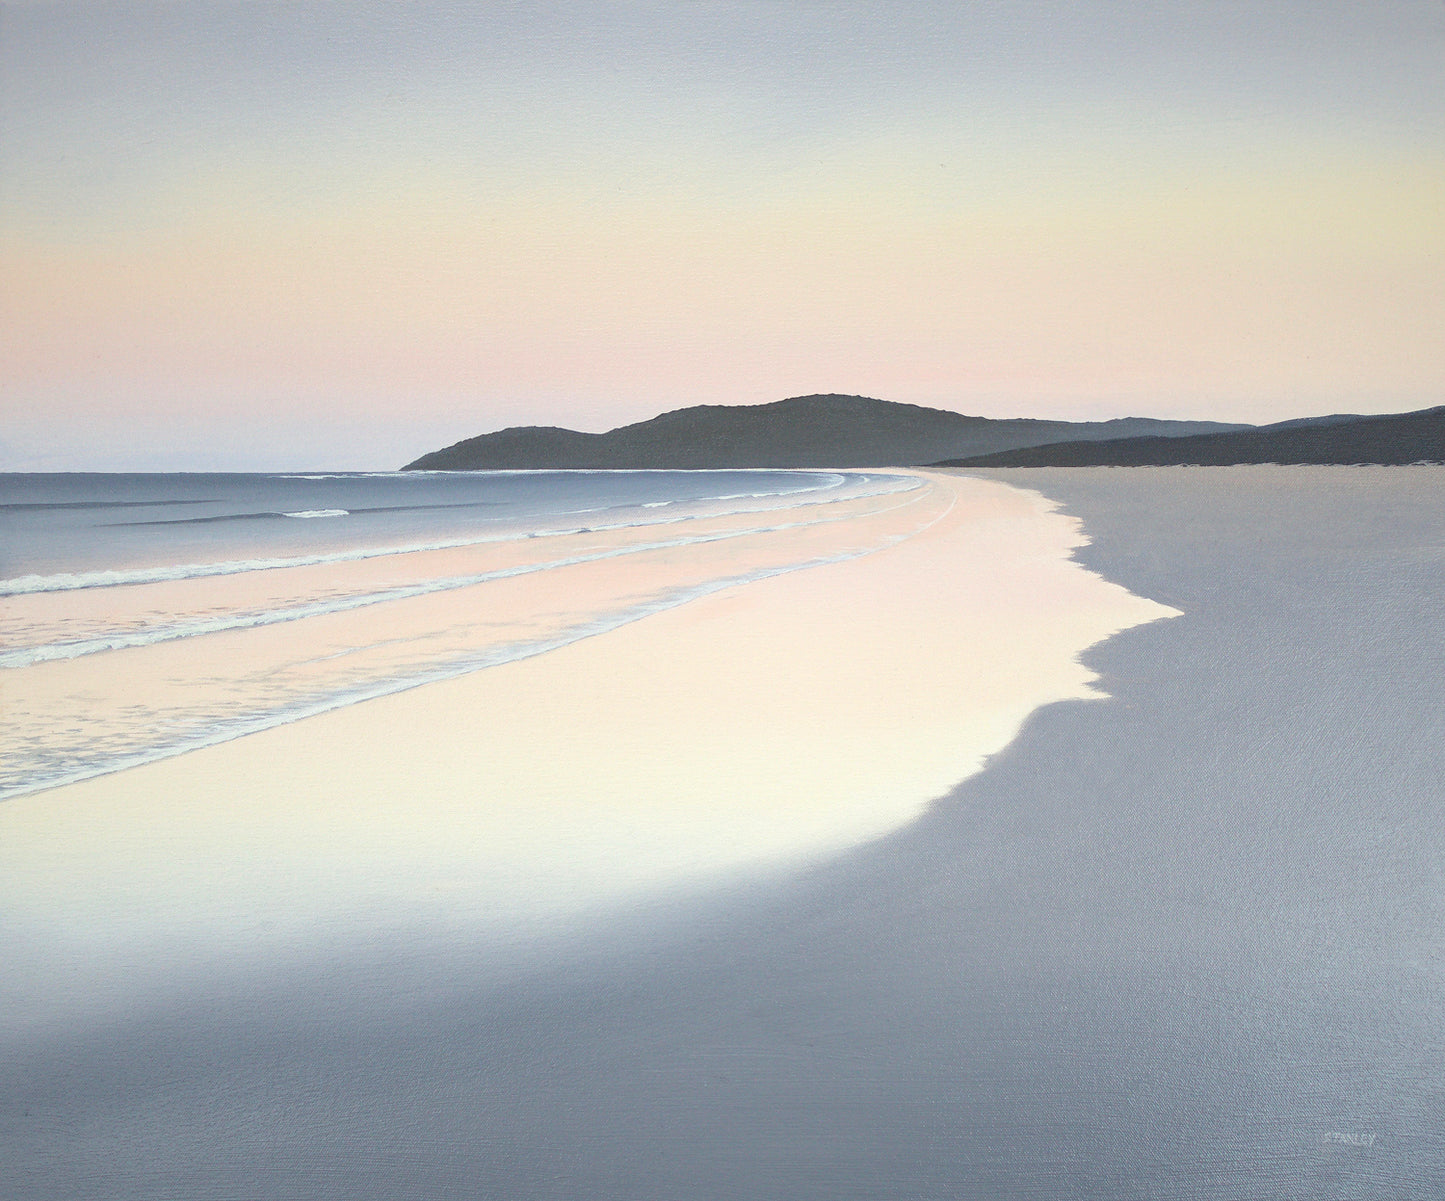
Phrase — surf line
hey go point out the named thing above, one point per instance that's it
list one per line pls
(57, 651)
(72, 581)
(229, 731)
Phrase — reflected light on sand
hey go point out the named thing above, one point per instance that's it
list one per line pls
(766, 724)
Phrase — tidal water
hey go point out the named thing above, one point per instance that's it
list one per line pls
(145, 615)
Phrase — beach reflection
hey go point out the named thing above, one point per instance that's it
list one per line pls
(760, 724)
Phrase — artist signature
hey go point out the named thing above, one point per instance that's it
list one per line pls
(1338, 1139)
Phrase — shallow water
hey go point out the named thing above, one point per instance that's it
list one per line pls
(146, 615)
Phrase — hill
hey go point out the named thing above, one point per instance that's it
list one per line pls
(802, 431)
(1390, 439)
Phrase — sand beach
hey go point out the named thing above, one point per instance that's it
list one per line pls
(1179, 942)
(759, 725)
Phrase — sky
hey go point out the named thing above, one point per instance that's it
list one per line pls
(275, 236)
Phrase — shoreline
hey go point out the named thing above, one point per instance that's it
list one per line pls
(759, 726)
(1182, 944)
(266, 625)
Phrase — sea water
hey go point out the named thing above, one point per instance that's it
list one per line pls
(143, 615)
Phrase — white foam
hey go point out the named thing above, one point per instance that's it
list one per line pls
(319, 513)
(229, 730)
(124, 639)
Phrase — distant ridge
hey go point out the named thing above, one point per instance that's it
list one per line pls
(1391, 439)
(802, 431)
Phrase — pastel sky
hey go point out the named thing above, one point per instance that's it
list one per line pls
(258, 235)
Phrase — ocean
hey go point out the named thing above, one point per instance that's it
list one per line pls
(145, 615)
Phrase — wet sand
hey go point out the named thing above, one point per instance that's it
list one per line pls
(757, 726)
(1181, 943)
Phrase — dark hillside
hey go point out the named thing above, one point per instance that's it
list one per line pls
(1395, 438)
(802, 431)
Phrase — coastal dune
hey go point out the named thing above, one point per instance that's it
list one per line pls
(759, 725)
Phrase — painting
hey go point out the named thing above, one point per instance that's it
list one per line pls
(715, 599)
